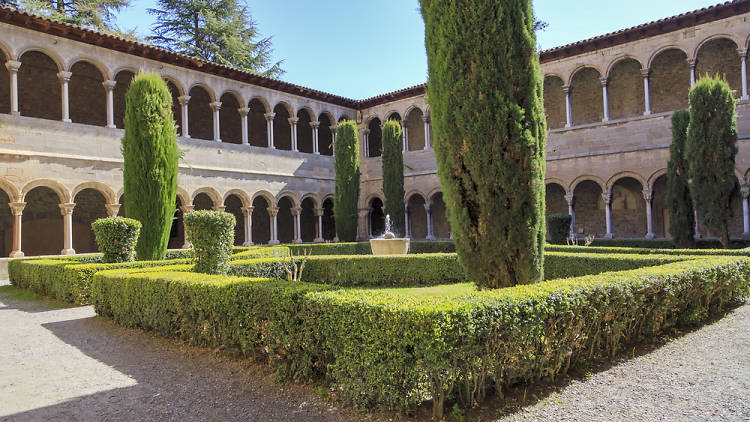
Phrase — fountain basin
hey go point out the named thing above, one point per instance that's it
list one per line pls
(395, 246)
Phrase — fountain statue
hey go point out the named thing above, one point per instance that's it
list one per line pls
(388, 243)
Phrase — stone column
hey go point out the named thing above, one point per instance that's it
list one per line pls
(13, 67)
(273, 212)
(109, 87)
(570, 199)
(745, 211)
(605, 97)
(407, 226)
(243, 114)
(430, 229)
(333, 136)
(319, 213)
(404, 136)
(17, 209)
(366, 141)
(64, 79)
(568, 109)
(247, 212)
(297, 214)
(186, 209)
(216, 108)
(316, 147)
(427, 133)
(67, 212)
(697, 216)
(692, 63)
(607, 198)
(219, 207)
(293, 125)
(112, 209)
(184, 100)
(743, 66)
(269, 129)
(646, 92)
(363, 226)
(648, 196)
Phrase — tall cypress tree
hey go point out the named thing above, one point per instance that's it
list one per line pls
(346, 165)
(679, 201)
(393, 175)
(710, 150)
(149, 149)
(485, 95)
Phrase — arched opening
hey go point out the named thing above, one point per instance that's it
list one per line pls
(628, 208)
(554, 198)
(285, 220)
(329, 225)
(589, 209)
(374, 138)
(417, 217)
(377, 217)
(177, 232)
(394, 116)
(309, 222)
(121, 210)
(586, 97)
(90, 206)
(233, 205)
(176, 106)
(554, 102)
(440, 226)
(669, 81)
(6, 225)
(256, 124)
(122, 83)
(719, 57)
(304, 132)
(230, 120)
(415, 130)
(203, 202)
(261, 221)
(659, 207)
(343, 118)
(626, 97)
(325, 135)
(42, 232)
(200, 115)
(4, 91)
(282, 135)
(39, 91)
(86, 95)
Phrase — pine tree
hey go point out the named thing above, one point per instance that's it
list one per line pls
(679, 202)
(149, 149)
(94, 14)
(393, 175)
(485, 95)
(710, 151)
(219, 31)
(346, 166)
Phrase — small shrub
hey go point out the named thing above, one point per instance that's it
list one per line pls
(212, 236)
(116, 238)
(559, 228)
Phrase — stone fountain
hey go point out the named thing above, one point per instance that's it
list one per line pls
(389, 244)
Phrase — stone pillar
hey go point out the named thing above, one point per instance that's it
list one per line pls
(692, 63)
(269, 129)
(333, 136)
(13, 67)
(605, 97)
(112, 209)
(316, 147)
(570, 199)
(363, 227)
(427, 133)
(297, 214)
(64, 79)
(745, 211)
(743, 66)
(109, 87)
(646, 92)
(293, 125)
(273, 212)
(184, 100)
(67, 212)
(366, 141)
(16, 209)
(247, 212)
(407, 226)
(404, 136)
(319, 213)
(243, 114)
(697, 216)
(648, 196)
(220, 207)
(607, 198)
(186, 209)
(216, 108)
(568, 109)
(430, 229)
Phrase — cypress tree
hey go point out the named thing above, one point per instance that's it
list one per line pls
(485, 95)
(346, 165)
(710, 151)
(149, 149)
(679, 202)
(393, 175)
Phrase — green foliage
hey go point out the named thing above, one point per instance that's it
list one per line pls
(95, 14)
(710, 150)
(263, 252)
(346, 166)
(559, 227)
(393, 175)
(149, 149)
(485, 95)
(678, 201)
(116, 238)
(212, 236)
(649, 250)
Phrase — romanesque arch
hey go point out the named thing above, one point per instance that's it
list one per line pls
(555, 199)
(628, 208)
(4, 91)
(256, 123)
(282, 129)
(177, 231)
(200, 114)
(329, 225)
(202, 201)
(669, 81)
(586, 99)
(230, 125)
(285, 220)
(42, 231)
(175, 91)
(659, 206)
(719, 57)
(309, 221)
(417, 212)
(90, 206)
(374, 138)
(122, 83)
(626, 95)
(554, 101)
(325, 135)
(304, 131)
(233, 205)
(441, 227)
(87, 96)
(39, 88)
(589, 210)
(415, 130)
(376, 217)
(261, 221)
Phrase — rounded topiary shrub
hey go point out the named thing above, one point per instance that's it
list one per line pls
(212, 236)
(559, 228)
(116, 238)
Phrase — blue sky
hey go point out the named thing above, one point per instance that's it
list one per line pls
(360, 48)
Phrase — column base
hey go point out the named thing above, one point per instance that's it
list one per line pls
(336, 239)
(187, 245)
(247, 244)
(745, 98)
(111, 127)
(650, 235)
(608, 236)
(316, 152)
(430, 237)
(16, 254)
(15, 113)
(297, 241)
(67, 121)
(698, 236)
(746, 234)
(318, 240)
(70, 251)
(273, 242)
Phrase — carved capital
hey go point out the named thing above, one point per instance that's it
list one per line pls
(692, 63)
(604, 81)
(64, 76)
(67, 208)
(243, 111)
(569, 198)
(745, 191)
(645, 72)
(186, 209)
(333, 128)
(296, 211)
(315, 124)
(365, 131)
(272, 211)
(607, 197)
(215, 106)
(567, 89)
(247, 210)
(648, 195)
(17, 208)
(269, 116)
(219, 208)
(293, 121)
(743, 53)
(12, 66)
(318, 212)
(426, 118)
(109, 85)
(184, 100)
(112, 209)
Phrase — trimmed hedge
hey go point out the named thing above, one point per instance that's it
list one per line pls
(212, 236)
(116, 238)
(262, 252)
(558, 226)
(705, 243)
(643, 251)
(363, 248)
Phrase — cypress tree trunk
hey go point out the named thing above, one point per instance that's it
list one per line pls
(485, 95)
(346, 165)
(393, 175)
(679, 201)
(149, 149)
